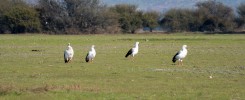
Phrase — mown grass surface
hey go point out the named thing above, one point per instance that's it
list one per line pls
(42, 74)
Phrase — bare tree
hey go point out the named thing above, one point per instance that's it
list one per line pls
(75, 16)
(52, 16)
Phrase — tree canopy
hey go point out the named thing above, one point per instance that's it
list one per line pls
(209, 16)
(129, 18)
(92, 17)
(241, 16)
(19, 18)
(150, 20)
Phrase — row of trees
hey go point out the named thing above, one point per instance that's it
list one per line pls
(90, 16)
(209, 16)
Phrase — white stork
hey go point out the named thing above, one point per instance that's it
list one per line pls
(68, 53)
(180, 55)
(91, 54)
(133, 51)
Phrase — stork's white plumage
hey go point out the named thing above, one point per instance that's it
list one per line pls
(133, 51)
(68, 53)
(180, 55)
(91, 54)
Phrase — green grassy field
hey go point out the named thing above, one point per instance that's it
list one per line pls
(150, 75)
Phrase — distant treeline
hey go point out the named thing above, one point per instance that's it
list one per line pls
(92, 17)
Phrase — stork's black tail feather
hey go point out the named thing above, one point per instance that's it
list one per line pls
(174, 58)
(129, 53)
(87, 58)
(66, 61)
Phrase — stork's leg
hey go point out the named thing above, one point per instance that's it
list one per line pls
(178, 62)
(69, 59)
(132, 58)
